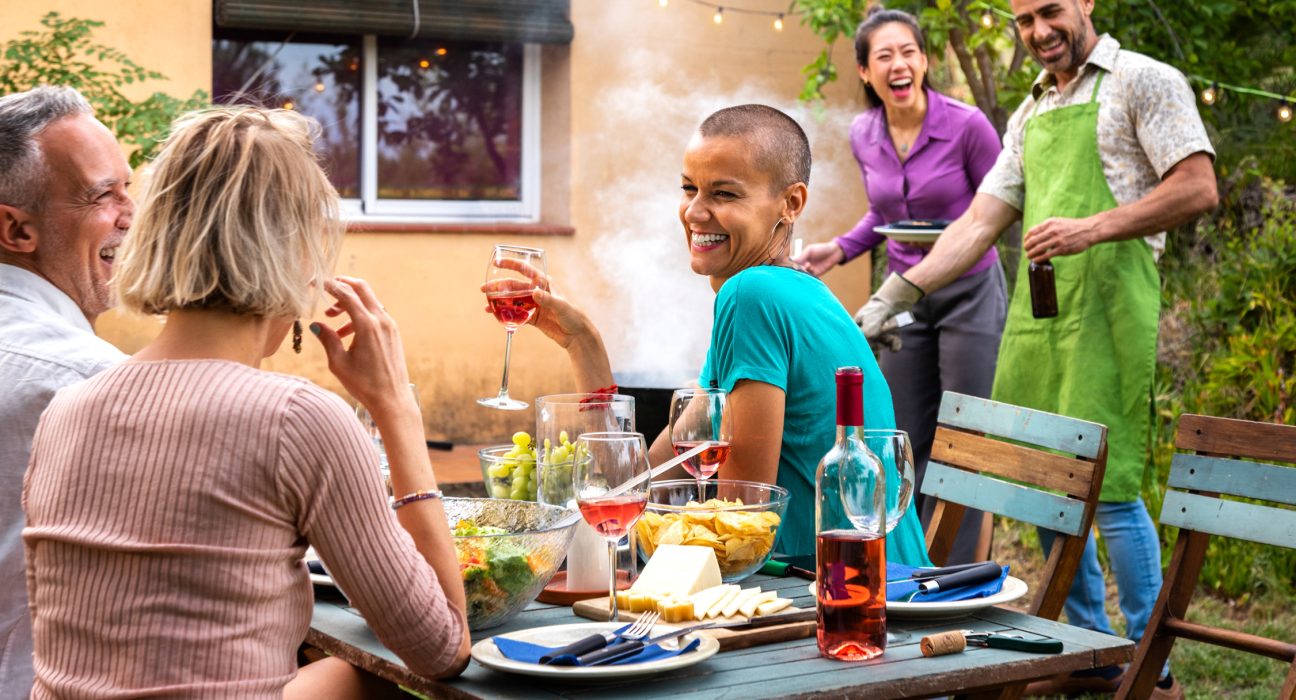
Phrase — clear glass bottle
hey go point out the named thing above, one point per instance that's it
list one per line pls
(851, 524)
(1043, 290)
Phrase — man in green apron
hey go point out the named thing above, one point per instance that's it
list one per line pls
(1107, 153)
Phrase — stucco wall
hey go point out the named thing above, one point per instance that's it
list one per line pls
(619, 105)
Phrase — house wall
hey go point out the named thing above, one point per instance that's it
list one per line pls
(619, 105)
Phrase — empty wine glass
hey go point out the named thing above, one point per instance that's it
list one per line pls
(610, 476)
(512, 277)
(876, 491)
(697, 417)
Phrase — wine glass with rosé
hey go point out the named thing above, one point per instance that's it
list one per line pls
(512, 277)
(610, 476)
(697, 417)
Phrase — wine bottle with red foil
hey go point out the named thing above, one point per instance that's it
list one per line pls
(851, 524)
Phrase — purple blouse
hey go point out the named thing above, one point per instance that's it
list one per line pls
(955, 149)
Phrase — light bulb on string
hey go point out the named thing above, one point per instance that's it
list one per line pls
(1285, 112)
(663, 3)
(987, 19)
(718, 17)
(424, 63)
(1210, 95)
(319, 86)
(288, 105)
(778, 23)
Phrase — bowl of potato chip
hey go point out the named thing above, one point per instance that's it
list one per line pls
(737, 519)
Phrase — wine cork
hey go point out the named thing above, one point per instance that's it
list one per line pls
(943, 643)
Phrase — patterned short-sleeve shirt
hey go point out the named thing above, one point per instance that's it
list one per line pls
(1147, 122)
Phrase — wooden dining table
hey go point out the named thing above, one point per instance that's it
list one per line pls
(781, 669)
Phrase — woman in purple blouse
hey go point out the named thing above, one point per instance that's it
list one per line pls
(922, 156)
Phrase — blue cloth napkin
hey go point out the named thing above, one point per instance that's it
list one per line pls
(531, 653)
(897, 590)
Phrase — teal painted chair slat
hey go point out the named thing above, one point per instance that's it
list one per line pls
(1241, 521)
(1047, 430)
(1222, 464)
(1019, 463)
(1065, 515)
(1233, 477)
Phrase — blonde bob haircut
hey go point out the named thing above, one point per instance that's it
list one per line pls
(236, 215)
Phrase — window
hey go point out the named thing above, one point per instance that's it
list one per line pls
(420, 129)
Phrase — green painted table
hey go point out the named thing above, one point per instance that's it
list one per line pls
(774, 670)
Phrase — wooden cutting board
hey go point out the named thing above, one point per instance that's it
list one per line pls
(728, 637)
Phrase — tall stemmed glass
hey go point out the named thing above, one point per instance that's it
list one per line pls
(876, 493)
(610, 476)
(512, 277)
(697, 417)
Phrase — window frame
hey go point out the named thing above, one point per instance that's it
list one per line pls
(370, 206)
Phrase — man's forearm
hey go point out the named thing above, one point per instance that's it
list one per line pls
(1187, 191)
(963, 243)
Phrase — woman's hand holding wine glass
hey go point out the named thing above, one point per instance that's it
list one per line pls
(512, 278)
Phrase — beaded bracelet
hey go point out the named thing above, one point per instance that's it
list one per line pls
(412, 497)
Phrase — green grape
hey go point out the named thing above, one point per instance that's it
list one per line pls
(499, 470)
(499, 491)
(521, 439)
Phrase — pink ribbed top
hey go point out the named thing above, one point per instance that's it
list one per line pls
(168, 508)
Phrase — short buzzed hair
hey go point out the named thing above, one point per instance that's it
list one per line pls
(23, 116)
(782, 148)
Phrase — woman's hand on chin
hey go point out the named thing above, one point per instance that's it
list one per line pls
(372, 368)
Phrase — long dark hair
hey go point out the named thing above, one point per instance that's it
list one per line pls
(877, 16)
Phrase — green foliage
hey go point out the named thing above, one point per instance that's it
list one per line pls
(1228, 348)
(65, 54)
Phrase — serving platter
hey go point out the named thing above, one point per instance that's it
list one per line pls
(1013, 588)
(729, 638)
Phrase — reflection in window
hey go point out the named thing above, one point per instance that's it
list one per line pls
(317, 78)
(449, 125)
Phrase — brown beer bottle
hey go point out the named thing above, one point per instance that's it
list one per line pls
(1043, 290)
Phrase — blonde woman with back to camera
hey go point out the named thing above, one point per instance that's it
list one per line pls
(170, 499)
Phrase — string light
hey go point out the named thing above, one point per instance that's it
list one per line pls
(424, 63)
(1285, 112)
(442, 51)
(720, 11)
(1210, 94)
(319, 86)
(987, 19)
(288, 105)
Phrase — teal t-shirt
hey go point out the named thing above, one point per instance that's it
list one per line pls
(785, 328)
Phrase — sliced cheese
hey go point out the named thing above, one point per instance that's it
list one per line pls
(703, 600)
(678, 571)
(749, 608)
(714, 610)
(773, 606)
(675, 610)
(642, 602)
(739, 600)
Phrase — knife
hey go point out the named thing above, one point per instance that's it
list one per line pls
(981, 573)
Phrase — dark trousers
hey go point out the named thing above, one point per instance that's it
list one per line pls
(952, 345)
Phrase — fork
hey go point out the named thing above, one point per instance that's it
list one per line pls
(639, 630)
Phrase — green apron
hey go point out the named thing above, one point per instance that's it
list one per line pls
(1096, 359)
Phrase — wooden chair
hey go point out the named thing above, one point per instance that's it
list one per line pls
(1222, 447)
(1048, 475)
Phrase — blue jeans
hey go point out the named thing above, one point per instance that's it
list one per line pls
(1134, 554)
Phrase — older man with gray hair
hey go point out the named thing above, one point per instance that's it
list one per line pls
(63, 211)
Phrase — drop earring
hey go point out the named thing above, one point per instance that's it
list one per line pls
(297, 336)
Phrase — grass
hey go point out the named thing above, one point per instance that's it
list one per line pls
(1206, 672)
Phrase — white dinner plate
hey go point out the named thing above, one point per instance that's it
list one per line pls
(909, 235)
(487, 654)
(1013, 588)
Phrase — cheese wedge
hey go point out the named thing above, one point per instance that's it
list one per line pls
(749, 608)
(773, 606)
(678, 571)
(715, 609)
(739, 600)
(703, 600)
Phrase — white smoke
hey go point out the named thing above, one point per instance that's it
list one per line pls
(655, 314)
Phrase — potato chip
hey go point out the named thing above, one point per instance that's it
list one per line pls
(739, 538)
